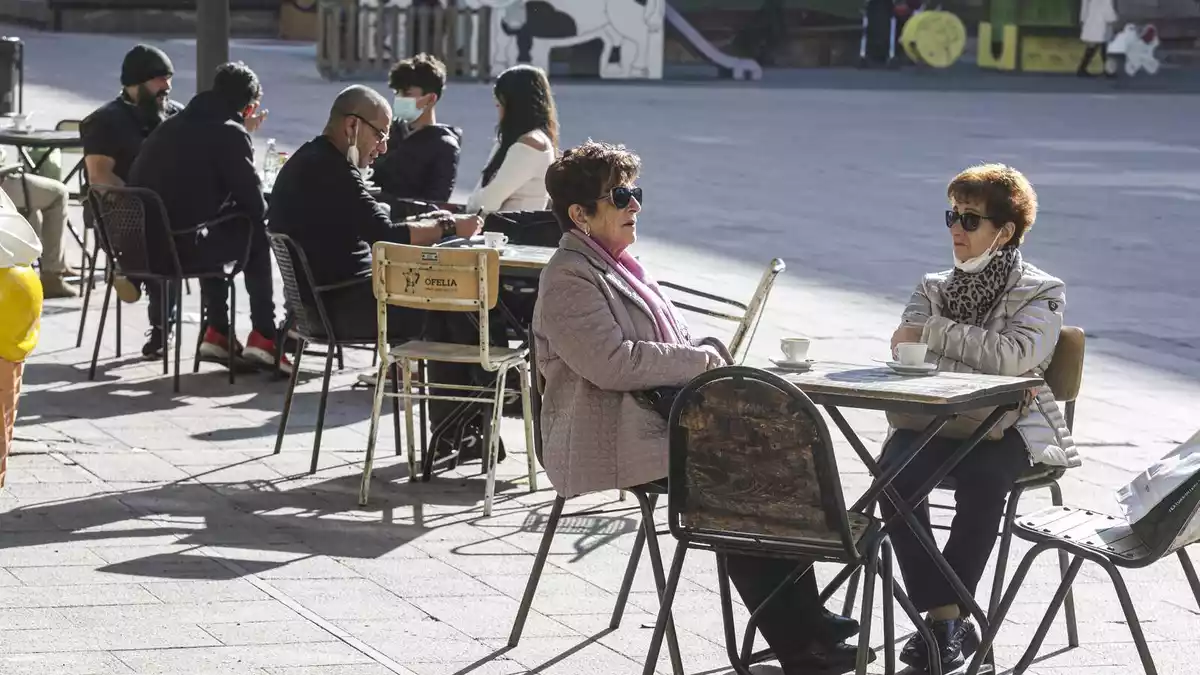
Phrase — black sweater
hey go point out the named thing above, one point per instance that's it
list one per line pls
(419, 165)
(201, 162)
(322, 203)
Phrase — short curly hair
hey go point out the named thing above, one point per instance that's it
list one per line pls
(585, 174)
(423, 71)
(1005, 192)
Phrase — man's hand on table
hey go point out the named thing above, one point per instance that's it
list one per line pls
(427, 231)
(467, 226)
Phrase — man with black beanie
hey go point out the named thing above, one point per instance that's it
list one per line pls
(113, 134)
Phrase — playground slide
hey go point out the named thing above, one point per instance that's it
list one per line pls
(733, 66)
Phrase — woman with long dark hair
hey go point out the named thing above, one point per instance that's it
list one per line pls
(526, 144)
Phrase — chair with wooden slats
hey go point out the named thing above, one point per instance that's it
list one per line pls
(462, 280)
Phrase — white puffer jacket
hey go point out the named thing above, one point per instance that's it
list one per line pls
(1017, 338)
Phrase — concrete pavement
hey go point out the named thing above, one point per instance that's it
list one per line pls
(143, 532)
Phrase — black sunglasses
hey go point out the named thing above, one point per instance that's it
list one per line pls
(620, 196)
(970, 221)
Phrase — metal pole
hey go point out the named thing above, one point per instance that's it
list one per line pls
(212, 40)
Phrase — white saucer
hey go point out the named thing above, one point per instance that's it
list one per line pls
(923, 369)
(794, 366)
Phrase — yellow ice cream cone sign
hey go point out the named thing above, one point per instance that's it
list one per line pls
(934, 38)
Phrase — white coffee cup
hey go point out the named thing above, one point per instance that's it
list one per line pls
(795, 348)
(495, 239)
(21, 122)
(911, 353)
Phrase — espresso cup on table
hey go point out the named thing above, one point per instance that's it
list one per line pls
(911, 353)
(495, 239)
(795, 349)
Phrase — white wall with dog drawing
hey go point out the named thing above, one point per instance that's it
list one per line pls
(525, 31)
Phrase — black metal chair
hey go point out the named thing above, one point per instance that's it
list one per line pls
(306, 328)
(752, 472)
(647, 497)
(1105, 540)
(125, 218)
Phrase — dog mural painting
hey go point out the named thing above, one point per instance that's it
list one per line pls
(631, 31)
(524, 31)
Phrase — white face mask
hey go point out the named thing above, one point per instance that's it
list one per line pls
(405, 109)
(980, 261)
(352, 155)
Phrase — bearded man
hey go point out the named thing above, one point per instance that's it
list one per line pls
(113, 134)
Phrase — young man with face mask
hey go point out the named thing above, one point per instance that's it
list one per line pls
(422, 157)
(112, 135)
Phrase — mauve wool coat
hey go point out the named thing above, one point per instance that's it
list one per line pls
(596, 344)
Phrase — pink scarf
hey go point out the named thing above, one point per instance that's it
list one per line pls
(631, 272)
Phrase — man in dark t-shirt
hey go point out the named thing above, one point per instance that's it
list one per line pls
(112, 137)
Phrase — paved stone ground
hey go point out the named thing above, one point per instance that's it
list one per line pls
(145, 532)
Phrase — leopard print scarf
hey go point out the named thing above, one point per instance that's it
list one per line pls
(967, 298)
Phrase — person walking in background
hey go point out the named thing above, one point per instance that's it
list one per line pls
(20, 314)
(1096, 18)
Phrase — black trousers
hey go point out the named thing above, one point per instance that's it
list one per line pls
(353, 312)
(982, 483)
(788, 623)
(1090, 53)
(225, 244)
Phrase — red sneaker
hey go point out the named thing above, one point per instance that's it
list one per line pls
(261, 352)
(215, 346)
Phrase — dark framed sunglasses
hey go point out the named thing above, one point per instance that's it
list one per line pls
(970, 221)
(620, 196)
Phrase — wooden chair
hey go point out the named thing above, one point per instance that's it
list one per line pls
(753, 472)
(746, 316)
(444, 280)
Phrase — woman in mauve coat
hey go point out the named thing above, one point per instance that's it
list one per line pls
(603, 331)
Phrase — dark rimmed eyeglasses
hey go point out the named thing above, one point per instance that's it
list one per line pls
(970, 221)
(620, 196)
(380, 135)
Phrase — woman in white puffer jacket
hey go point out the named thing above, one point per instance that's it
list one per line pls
(996, 314)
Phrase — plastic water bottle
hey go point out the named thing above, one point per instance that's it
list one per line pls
(270, 162)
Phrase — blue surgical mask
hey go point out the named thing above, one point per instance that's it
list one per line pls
(405, 109)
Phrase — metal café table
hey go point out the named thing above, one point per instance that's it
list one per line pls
(941, 396)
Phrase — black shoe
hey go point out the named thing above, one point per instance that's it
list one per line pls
(467, 440)
(823, 660)
(956, 639)
(155, 344)
(835, 628)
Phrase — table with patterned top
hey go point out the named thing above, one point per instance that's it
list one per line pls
(942, 396)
